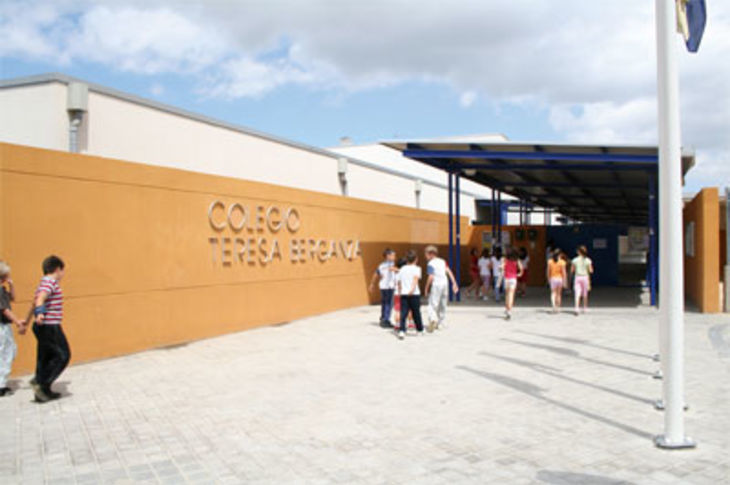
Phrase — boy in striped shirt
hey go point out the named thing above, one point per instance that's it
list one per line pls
(53, 351)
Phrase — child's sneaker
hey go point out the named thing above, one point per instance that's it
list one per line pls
(431, 326)
(401, 335)
(40, 396)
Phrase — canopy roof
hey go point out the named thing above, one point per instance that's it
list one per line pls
(588, 183)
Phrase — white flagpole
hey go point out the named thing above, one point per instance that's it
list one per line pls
(671, 286)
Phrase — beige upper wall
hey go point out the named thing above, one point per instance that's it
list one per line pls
(128, 131)
(35, 115)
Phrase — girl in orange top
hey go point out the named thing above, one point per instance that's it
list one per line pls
(557, 274)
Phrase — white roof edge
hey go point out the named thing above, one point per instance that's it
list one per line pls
(445, 139)
(56, 77)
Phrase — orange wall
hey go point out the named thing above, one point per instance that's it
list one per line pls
(701, 272)
(140, 267)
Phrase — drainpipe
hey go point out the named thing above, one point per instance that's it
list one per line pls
(76, 106)
(342, 174)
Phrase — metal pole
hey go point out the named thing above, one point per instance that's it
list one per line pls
(458, 233)
(451, 228)
(494, 217)
(652, 238)
(671, 288)
(499, 218)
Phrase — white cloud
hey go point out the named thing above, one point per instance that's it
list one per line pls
(29, 34)
(590, 65)
(631, 122)
(467, 99)
(712, 169)
(246, 77)
(144, 41)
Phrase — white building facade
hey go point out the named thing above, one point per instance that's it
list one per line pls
(37, 111)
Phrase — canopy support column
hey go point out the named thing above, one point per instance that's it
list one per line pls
(457, 267)
(499, 218)
(494, 216)
(653, 230)
(451, 228)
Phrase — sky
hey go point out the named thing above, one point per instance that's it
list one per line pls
(317, 70)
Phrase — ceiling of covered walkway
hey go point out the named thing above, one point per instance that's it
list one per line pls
(587, 183)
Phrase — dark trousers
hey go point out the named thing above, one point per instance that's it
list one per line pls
(410, 303)
(53, 353)
(386, 304)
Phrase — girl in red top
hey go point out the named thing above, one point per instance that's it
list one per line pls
(512, 270)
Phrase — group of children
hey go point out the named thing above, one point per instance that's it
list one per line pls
(487, 272)
(53, 353)
(400, 282)
(491, 273)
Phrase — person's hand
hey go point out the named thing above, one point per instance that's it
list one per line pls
(40, 317)
(455, 288)
(22, 327)
(371, 288)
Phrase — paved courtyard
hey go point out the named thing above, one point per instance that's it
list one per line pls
(335, 399)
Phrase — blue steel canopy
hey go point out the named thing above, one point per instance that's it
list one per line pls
(587, 183)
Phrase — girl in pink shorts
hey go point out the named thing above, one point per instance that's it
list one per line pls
(582, 268)
(512, 270)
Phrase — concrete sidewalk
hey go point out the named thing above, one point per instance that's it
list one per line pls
(334, 399)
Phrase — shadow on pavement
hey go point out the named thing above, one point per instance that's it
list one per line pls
(537, 393)
(587, 343)
(562, 478)
(719, 335)
(14, 384)
(62, 387)
(557, 373)
(576, 354)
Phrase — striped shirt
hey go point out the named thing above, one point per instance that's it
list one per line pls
(54, 300)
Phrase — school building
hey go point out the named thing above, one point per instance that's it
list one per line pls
(177, 227)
